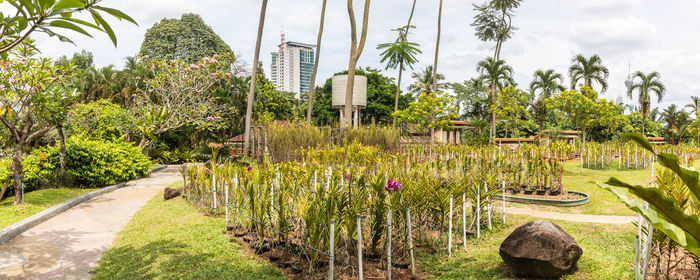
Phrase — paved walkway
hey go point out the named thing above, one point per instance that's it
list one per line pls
(581, 218)
(69, 245)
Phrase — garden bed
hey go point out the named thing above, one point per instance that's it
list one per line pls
(567, 199)
(289, 257)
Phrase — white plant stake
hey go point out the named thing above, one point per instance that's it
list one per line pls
(504, 202)
(213, 185)
(388, 244)
(488, 206)
(410, 240)
(331, 262)
(359, 244)
(478, 211)
(449, 237)
(226, 193)
(464, 220)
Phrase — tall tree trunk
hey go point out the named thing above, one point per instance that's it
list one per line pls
(355, 53)
(435, 68)
(62, 152)
(17, 172)
(254, 75)
(398, 82)
(398, 92)
(318, 53)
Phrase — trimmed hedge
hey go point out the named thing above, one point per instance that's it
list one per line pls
(89, 163)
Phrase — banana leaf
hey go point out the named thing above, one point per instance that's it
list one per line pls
(662, 213)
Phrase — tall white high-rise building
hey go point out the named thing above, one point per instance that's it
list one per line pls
(292, 66)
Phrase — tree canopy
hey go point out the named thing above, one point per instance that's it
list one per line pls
(188, 39)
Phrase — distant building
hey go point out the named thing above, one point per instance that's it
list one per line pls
(292, 65)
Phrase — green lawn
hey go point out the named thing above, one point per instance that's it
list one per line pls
(173, 240)
(608, 253)
(34, 202)
(602, 202)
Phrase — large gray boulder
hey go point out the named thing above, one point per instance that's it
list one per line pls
(540, 249)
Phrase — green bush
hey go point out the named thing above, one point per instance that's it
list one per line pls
(89, 163)
(102, 119)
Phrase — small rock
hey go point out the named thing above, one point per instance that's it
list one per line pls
(540, 249)
(171, 193)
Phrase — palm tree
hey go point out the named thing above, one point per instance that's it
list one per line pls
(254, 75)
(648, 84)
(587, 71)
(695, 106)
(548, 82)
(675, 119)
(495, 73)
(318, 53)
(424, 81)
(400, 53)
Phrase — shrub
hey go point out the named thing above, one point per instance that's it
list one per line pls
(89, 162)
(102, 119)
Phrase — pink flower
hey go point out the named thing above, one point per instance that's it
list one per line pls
(146, 57)
(249, 168)
(12, 81)
(2, 87)
(228, 75)
(138, 78)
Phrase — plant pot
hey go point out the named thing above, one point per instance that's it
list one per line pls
(541, 192)
(515, 191)
(528, 192)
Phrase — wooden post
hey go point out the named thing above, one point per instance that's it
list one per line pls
(410, 241)
(359, 243)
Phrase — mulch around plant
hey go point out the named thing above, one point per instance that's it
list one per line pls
(291, 259)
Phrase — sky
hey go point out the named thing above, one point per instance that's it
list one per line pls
(647, 35)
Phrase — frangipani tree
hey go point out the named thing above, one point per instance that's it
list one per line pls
(179, 95)
(28, 87)
(21, 18)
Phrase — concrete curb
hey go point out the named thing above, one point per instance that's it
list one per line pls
(11, 231)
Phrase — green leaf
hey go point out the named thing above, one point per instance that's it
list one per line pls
(689, 177)
(116, 13)
(82, 22)
(663, 213)
(69, 4)
(641, 140)
(107, 29)
(28, 6)
(70, 26)
(59, 36)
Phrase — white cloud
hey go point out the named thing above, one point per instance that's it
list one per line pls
(612, 35)
(651, 35)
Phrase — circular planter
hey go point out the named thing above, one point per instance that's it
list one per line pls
(546, 201)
